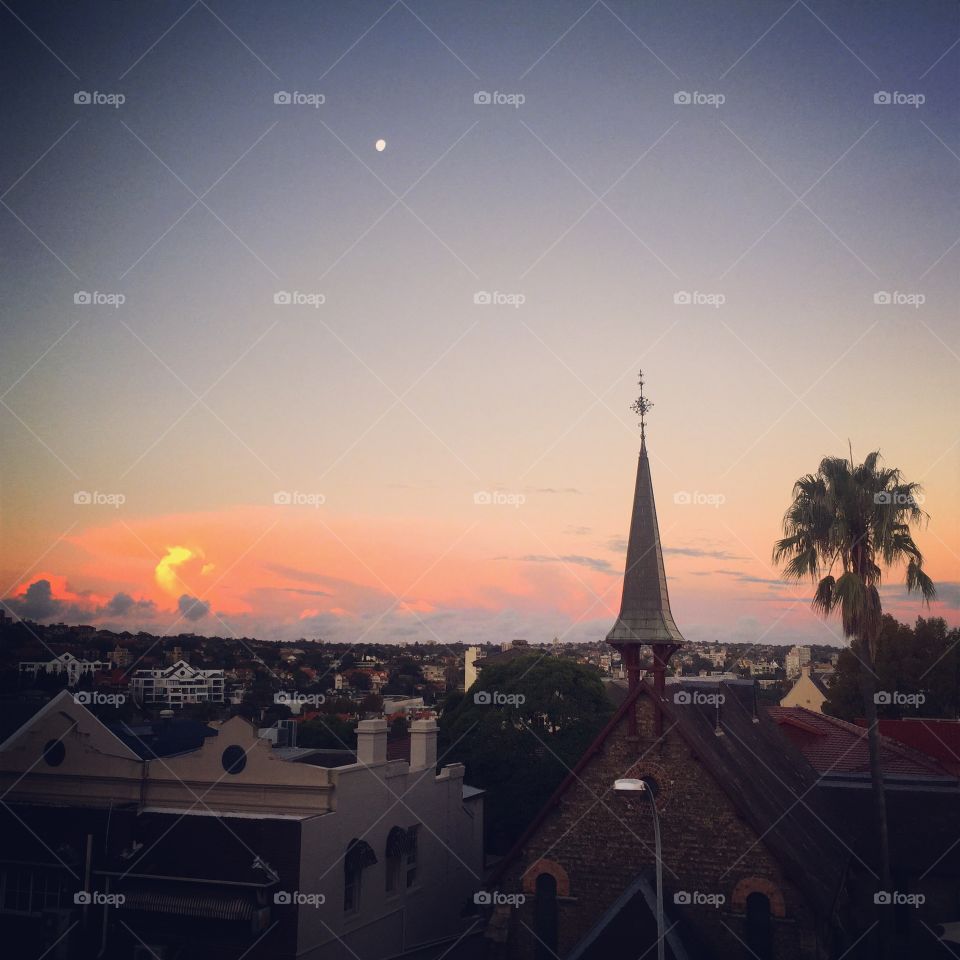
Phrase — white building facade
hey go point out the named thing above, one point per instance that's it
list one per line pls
(66, 663)
(177, 685)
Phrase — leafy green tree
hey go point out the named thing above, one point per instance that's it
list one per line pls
(360, 680)
(846, 524)
(519, 730)
(330, 733)
(921, 661)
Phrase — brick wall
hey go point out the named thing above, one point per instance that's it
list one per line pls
(601, 841)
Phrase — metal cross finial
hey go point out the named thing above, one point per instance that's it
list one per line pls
(641, 407)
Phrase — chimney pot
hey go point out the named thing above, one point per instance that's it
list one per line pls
(372, 741)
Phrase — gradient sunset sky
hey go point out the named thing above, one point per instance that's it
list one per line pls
(392, 410)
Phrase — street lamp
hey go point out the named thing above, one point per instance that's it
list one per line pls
(633, 785)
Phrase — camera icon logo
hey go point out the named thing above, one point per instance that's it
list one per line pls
(882, 97)
(482, 498)
(281, 96)
(282, 498)
(82, 298)
(882, 897)
(82, 97)
(682, 497)
(682, 298)
(83, 498)
(283, 298)
(282, 897)
(681, 696)
(482, 697)
(681, 898)
(882, 298)
(81, 898)
(482, 298)
(882, 698)
(481, 98)
(482, 898)
(682, 97)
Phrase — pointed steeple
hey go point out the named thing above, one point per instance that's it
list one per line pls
(645, 615)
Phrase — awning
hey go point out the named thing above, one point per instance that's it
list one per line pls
(205, 906)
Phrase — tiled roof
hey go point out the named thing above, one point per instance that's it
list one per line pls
(835, 746)
(934, 737)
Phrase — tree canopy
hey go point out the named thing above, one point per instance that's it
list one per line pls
(519, 729)
(924, 659)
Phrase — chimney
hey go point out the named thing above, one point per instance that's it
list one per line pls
(423, 744)
(372, 741)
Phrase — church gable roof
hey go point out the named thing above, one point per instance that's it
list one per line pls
(765, 778)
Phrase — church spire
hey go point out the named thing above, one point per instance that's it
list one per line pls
(645, 615)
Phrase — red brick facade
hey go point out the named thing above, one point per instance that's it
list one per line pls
(595, 843)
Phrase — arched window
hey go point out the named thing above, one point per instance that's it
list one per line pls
(401, 856)
(358, 857)
(555, 870)
(545, 918)
(759, 930)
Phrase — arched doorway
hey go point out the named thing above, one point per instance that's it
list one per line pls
(759, 927)
(545, 916)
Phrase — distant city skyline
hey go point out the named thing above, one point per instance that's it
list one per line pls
(331, 327)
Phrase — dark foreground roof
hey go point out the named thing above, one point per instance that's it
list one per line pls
(770, 783)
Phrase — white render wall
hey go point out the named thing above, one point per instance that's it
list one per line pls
(368, 802)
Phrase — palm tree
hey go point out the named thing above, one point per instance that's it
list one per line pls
(846, 524)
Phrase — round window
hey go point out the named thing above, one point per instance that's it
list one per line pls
(234, 759)
(54, 752)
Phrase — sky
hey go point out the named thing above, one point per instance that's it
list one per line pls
(262, 378)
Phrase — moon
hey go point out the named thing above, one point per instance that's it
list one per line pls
(381, 145)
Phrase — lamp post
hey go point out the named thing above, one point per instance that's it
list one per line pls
(632, 785)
